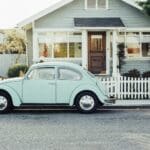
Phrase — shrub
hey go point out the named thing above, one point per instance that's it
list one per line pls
(146, 74)
(133, 73)
(17, 70)
(125, 74)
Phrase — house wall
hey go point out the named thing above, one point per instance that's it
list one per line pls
(63, 17)
(140, 65)
(29, 46)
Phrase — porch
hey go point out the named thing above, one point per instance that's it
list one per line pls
(96, 49)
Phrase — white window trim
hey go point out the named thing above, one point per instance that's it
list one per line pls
(96, 5)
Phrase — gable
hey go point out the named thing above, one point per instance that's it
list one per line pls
(64, 17)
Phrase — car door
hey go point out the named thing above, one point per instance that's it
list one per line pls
(39, 86)
(67, 80)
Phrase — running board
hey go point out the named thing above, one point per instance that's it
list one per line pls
(32, 105)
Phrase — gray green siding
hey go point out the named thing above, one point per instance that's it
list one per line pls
(141, 65)
(63, 17)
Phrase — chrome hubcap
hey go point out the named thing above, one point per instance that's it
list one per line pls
(3, 103)
(87, 102)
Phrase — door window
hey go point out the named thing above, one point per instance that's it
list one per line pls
(42, 74)
(96, 43)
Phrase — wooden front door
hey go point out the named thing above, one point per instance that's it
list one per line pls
(97, 52)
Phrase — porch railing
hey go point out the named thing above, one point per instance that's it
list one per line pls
(127, 88)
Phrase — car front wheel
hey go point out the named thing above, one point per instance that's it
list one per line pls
(5, 103)
(86, 102)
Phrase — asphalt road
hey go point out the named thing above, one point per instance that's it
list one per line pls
(69, 130)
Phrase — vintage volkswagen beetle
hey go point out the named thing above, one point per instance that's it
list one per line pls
(50, 83)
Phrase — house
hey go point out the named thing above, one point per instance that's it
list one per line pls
(88, 32)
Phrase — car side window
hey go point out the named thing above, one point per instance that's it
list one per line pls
(68, 74)
(42, 74)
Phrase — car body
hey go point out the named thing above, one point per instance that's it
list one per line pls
(59, 83)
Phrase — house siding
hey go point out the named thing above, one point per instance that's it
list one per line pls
(140, 65)
(64, 17)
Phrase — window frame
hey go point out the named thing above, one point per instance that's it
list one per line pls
(96, 5)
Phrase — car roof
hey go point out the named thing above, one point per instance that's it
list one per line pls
(57, 63)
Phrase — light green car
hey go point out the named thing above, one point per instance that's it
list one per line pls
(54, 83)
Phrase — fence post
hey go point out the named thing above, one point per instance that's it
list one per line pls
(118, 86)
(148, 88)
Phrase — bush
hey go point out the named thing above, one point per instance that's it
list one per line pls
(17, 70)
(133, 73)
(146, 74)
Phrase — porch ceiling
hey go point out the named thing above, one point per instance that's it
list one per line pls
(98, 22)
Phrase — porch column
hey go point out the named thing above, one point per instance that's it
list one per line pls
(115, 57)
(84, 49)
(35, 44)
(108, 41)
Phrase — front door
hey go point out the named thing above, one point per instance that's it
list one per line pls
(97, 52)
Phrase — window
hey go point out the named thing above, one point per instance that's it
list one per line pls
(133, 44)
(75, 45)
(60, 44)
(137, 44)
(96, 43)
(45, 45)
(42, 74)
(68, 74)
(91, 4)
(101, 3)
(145, 43)
(96, 4)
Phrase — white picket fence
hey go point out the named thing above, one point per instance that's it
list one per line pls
(124, 88)
(7, 60)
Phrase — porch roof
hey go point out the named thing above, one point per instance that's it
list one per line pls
(98, 22)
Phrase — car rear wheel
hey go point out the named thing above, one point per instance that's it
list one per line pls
(86, 102)
(5, 103)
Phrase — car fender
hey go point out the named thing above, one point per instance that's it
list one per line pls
(87, 87)
(16, 99)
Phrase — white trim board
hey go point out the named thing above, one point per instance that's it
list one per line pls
(132, 3)
(57, 6)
